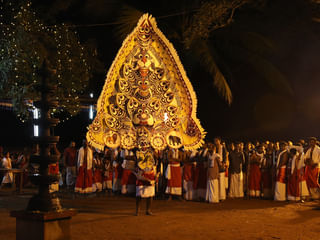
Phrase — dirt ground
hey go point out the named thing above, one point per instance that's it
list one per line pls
(112, 217)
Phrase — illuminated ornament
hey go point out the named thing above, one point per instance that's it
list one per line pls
(174, 139)
(147, 94)
(128, 140)
(112, 139)
(158, 141)
(145, 160)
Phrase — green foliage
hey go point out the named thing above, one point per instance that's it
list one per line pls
(26, 42)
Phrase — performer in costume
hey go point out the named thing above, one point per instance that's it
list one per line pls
(84, 178)
(212, 194)
(146, 177)
(146, 96)
(173, 174)
(281, 178)
(312, 160)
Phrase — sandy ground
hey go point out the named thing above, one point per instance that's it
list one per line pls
(112, 217)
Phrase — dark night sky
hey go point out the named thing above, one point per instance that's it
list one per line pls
(257, 111)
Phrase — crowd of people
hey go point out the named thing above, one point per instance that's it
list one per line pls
(271, 170)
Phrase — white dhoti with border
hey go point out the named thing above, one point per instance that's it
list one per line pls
(280, 192)
(212, 194)
(236, 185)
(222, 186)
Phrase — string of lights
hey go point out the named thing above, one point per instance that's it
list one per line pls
(26, 43)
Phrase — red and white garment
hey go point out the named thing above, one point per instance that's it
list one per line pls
(293, 186)
(280, 192)
(188, 177)
(128, 179)
(97, 177)
(173, 174)
(84, 178)
(145, 189)
(312, 172)
(201, 176)
(254, 183)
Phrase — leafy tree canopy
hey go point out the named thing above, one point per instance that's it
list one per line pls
(25, 43)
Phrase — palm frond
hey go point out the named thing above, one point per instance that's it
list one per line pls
(271, 74)
(203, 51)
(127, 21)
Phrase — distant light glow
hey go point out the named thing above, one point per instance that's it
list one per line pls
(91, 112)
(166, 117)
(91, 95)
(36, 113)
(36, 130)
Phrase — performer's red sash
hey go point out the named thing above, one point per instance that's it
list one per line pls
(148, 175)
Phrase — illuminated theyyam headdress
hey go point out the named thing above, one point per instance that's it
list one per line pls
(147, 99)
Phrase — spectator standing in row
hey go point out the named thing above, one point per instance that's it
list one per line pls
(312, 160)
(281, 180)
(70, 161)
(174, 174)
(212, 194)
(8, 176)
(84, 178)
(237, 160)
(254, 183)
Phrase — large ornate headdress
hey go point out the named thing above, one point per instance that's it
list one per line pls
(147, 99)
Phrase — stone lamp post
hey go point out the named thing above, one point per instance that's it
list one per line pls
(44, 217)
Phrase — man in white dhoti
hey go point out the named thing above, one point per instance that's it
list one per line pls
(280, 192)
(212, 194)
(189, 166)
(236, 159)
